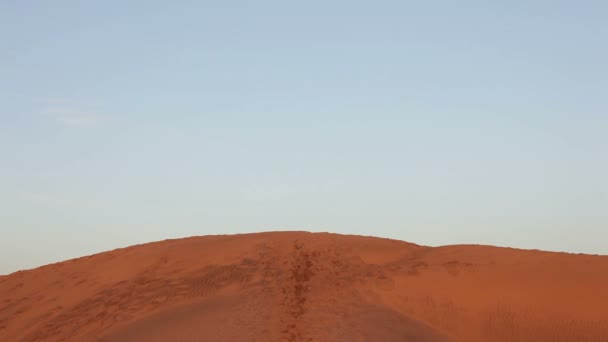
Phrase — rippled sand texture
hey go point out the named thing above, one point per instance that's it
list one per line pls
(298, 286)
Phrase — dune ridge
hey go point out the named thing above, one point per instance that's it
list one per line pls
(300, 286)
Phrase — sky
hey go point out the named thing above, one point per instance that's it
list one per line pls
(434, 122)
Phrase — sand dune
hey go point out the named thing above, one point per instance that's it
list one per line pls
(298, 286)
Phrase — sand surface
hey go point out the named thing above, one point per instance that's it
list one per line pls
(298, 286)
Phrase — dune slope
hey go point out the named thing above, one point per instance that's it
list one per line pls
(299, 286)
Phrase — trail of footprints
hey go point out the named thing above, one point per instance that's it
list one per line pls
(326, 268)
(294, 291)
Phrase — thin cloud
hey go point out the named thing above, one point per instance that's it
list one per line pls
(73, 117)
(44, 199)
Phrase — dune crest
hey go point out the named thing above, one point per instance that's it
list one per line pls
(299, 286)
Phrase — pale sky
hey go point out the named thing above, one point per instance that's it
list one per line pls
(434, 122)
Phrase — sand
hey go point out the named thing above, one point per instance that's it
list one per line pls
(299, 286)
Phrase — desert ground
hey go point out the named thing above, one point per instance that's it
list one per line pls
(299, 286)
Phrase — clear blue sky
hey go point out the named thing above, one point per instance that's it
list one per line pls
(436, 122)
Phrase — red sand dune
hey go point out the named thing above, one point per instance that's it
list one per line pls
(298, 286)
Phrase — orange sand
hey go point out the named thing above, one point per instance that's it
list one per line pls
(298, 286)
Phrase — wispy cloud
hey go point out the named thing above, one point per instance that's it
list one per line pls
(75, 117)
(44, 199)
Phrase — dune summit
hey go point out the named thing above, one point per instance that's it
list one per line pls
(298, 286)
